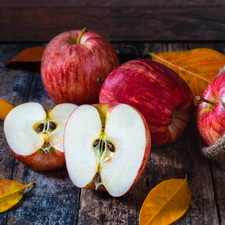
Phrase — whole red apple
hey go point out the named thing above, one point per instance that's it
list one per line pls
(160, 94)
(210, 114)
(72, 65)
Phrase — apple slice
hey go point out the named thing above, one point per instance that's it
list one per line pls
(35, 135)
(107, 147)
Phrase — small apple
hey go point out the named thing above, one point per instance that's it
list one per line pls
(107, 147)
(210, 114)
(73, 65)
(160, 94)
(35, 135)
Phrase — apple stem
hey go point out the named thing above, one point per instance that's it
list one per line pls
(81, 34)
(99, 80)
(198, 98)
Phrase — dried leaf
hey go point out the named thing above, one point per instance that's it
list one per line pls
(10, 193)
(198, 67)
(166, 202)
(33, 54)
(5, 108)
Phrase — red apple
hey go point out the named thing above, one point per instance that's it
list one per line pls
(160, 94)
(35, 135)
(72, 65)
(210, 114)
(107, 147)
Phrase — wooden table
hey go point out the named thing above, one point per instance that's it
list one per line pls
(54, 200)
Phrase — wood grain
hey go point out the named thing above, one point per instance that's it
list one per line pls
(14, 88)
(154, 3)
(42, 24)
(42, 3)
(166, 24)
(154, 22)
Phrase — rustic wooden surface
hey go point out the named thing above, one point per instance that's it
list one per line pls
(148, 20)
(54, 200)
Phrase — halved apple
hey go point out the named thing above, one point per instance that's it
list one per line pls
(35, 135)
(106, 146)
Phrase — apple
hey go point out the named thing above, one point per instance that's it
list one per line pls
(160, 94)
(106, 146)
(74, 65)
(35, 135)
(210, 113)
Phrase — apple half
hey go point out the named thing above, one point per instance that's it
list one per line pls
(106, 146)
(35, 135)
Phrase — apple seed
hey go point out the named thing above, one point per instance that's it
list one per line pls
(52, 125)
(96, 143)
(40, 127)
(110, 147)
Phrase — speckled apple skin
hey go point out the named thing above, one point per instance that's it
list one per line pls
(161, 95)
(211, 119)
(69, 71)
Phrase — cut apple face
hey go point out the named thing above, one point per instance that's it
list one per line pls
(106, 146)
(35, 135)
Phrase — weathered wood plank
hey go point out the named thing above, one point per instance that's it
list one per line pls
(167, 24)
(14, 87)
(54, 198)
(105, 3)
(42, 3)
(127, 23)
(172, 161)
(42, 24)
(162, 3)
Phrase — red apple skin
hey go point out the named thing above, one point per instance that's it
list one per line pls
(69, 71)
(161, 95)
(41, 161)
(211, 119)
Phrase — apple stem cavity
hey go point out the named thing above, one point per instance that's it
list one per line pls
(46, 147)
(81, 34)
(198, 98)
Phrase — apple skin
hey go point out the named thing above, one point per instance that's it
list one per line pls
(39, 161)
(107, 108)
(161, 95)
(210, 119)
(69, 71)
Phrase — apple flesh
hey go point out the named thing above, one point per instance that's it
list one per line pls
(160, 94)
(35, 135)
(74, 64)
(210, 116)
(107, 147)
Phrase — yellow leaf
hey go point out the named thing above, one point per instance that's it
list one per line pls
(33, 54)
(5, 108)
(10, 193)
(166, 202)
(198, 67)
